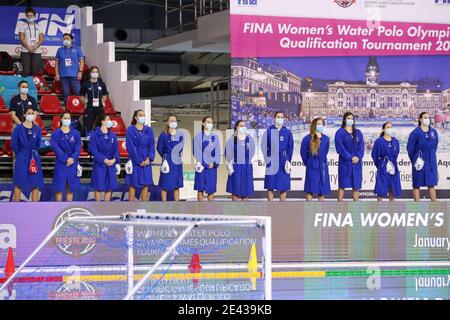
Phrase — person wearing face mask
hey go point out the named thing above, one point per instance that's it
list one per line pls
(170, 147)
(206, 147)
(278, 148)
(140, 143)
(422, 147)
(69, 66)
(20, 102)
(314, 151)
(349, 143)
(96, 93)
(104, 149)
(384, 154)
(25, 142)
(239, 153)
(31, 38)
(66, 144)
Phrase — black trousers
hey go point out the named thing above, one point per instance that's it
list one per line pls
(31, 63)
(90, 117)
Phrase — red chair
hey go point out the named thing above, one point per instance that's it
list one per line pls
(83, 153)
(6, 149)
(119, 126)
(74, 105)
(109, 108)
(57, 87)
(123, 153)
(40, 123)
(3, 107)
(41, 85)
(51, 105)
(6, 124)
(55, 123)
(49, 67)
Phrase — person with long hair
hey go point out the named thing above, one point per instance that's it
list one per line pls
(314, 151)
(349, 143)
(422, 147)
(66, 144)
(140, 142)
(170, 147)
(239, 152)
(206, 147)
(31, 36)
(385, 154)
(278, 148)
(96, 92)
(25, 142)
(103, 146)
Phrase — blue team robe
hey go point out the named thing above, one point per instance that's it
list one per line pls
(206, 151)
(104, 146)
(25, 147)
(349, 174)
(140, 146)
(382, 152)
(66, 146)
(317, 178)
(276, 177)
(241, 152)
(170, 148)
(425, 144)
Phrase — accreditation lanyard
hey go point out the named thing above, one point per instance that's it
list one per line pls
(35, 31)
(23, 107)
(95, 101)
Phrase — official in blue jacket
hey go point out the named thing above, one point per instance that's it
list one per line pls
(384, 154)
(140, 143)
(206, 147)
(25, 142)
(239, 152)
(422, 147)
(66, 144)
(170, 147)
(314, 152)
(278, 148)
(350, 147)
(103, 146)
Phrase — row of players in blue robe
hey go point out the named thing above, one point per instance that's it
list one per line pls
(239, 151)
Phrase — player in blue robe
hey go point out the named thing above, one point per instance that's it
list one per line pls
(385, 154)
(239, 152)
(170, 147)
(103, 146)
(66, 144)
(317, 178)
(278, 148)
(423, 143)
(206, 147)
(349, 143)
(140, 143)
(25, 143)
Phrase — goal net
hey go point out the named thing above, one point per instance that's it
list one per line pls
(150, 257)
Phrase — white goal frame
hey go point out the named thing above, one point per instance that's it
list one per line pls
(187, 221)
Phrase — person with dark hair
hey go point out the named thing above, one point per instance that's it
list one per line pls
(25, 142)
(422, 147)
(20, 102)
(239, 153)
(69, 66)
(278, 148)
(66, 144)
(31, 37)
(96, 93)
(170, 147)
(140, 142)
(349, 143)
(314, 151)
(104, 148)
(385, 154)
(206, 147)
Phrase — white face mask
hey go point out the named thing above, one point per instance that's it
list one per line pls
(389, 132)
(209, 126)
(349, 122)
(141, 120)
(279, 121)
(66, 122)
(94, 75)
(242, 130)
(173, 125)
(24, 90)
(31, 20)
(29, 117)
(67, 43)
(426, 122)
(109, 124)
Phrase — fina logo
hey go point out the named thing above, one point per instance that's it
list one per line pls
(247, 3)
(345, 3)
